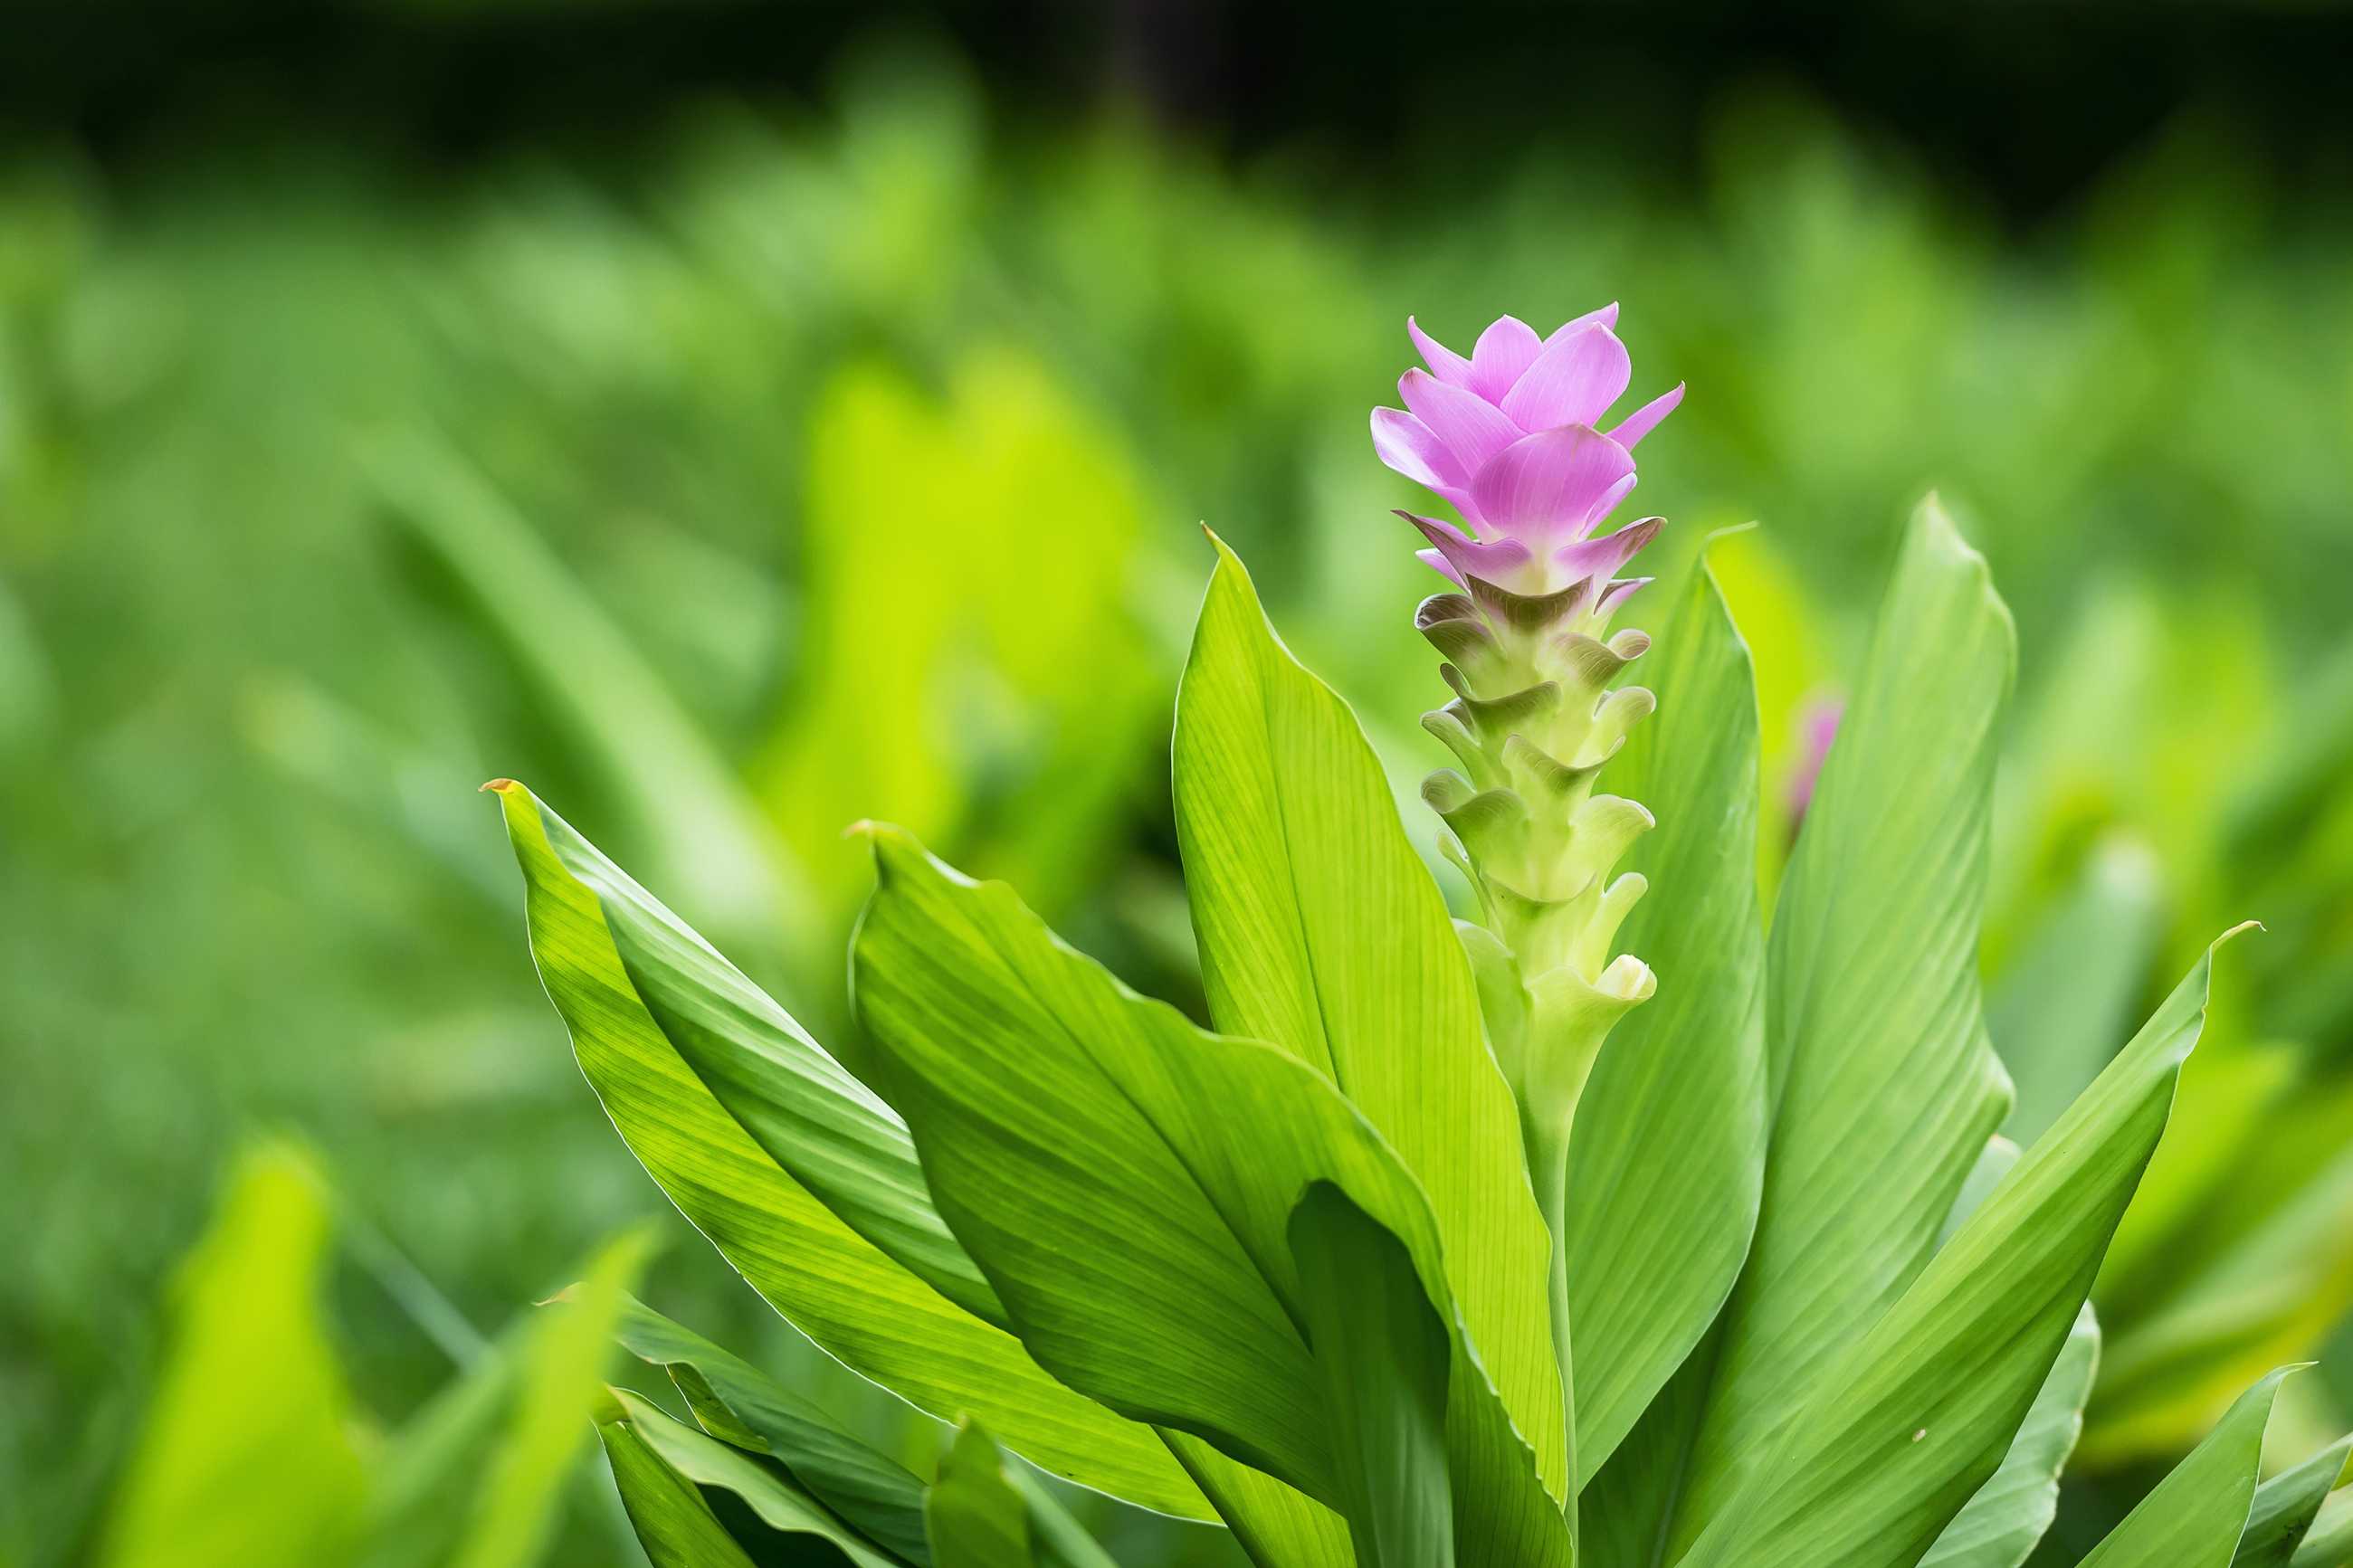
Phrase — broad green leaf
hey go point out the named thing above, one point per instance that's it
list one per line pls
(824, 1127)
(2068, 994)
(972, 1515)
(708, 833)
(1884, 1084)
(739, 1404)
(2195, 1517)
(834, 1284)
(1276, 1526)
(702, 1464)
(1629, 1505)
(2329, 1543)
(1999, 1527)
(1322, 932)
(1383, 1356)
(1127, 1182)
(1658, 1226)
(1907, 1421)
(674, 1525)
(245, 1459)
(869, 1490)
(2280, 1517)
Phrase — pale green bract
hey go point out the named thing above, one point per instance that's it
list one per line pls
(1295, 1273)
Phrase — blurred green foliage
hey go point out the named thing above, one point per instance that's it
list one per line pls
(803, 466)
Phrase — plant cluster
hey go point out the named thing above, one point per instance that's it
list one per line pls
(1451, 1243)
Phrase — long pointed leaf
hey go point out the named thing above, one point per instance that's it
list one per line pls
(2196, 1515)
(2280, 1519)
(1657, 1227)
(1913, 1416)
(2329, 1543)
(1383, 1354)
(1322, 932)
(1126, 1180)
(740, 1404)
(1885, 1087)
(1276, 1526)
(2001, 1524)
(706, 1465)
(833, 1283)
(674, 1525)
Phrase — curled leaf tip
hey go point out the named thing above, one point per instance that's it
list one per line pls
(864, 828)
(500, 786)
(2241, 929)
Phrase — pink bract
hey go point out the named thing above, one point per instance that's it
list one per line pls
(1510, 436)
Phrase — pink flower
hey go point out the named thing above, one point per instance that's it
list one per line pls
(1510, 438)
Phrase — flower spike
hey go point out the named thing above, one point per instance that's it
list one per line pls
(1511, 438)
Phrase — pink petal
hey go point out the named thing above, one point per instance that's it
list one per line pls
(1503, 352)
(1645, 419)
(1607, 316)
(1498, 560)
(1459, 498)
(1556, 482)
(1608, 501)
(1436, 560)
(1574, 381)
(1615, 595)
(1472, 429)
(1602, 557)
(1409, 447)
(1444, 363)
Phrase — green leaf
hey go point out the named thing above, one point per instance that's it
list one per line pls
(2196, 1515)
(2000, 1526)
(674, 1525)
(1657, 1227)
(1127, 1182)
(702, 1465)
(832, 1282)
(559, 1389)
(1322, 932)
(1902, 1426)
(1383, 1354)
(972, 1515)
(2329, 1543)
(1276, 1526)
(739, 1404)
(2280, 1517)
(1885, 1088)
(244, 1460)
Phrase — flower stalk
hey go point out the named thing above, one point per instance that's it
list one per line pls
(1509, 436)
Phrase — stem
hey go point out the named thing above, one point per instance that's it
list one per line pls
(1547, 1152)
